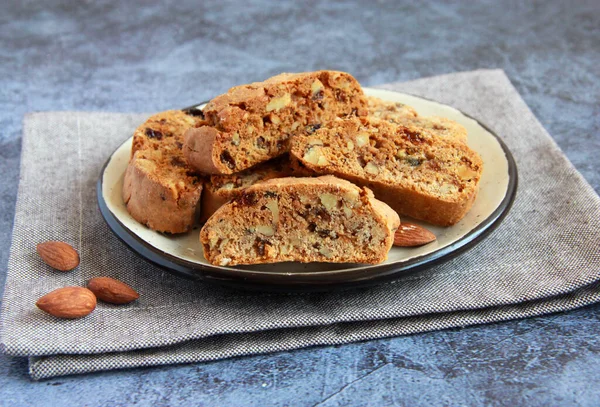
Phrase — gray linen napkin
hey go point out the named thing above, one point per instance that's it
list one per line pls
(544, 257)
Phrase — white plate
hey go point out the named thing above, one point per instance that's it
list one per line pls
(183, 253)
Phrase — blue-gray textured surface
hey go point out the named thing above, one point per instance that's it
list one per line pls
(136, 57)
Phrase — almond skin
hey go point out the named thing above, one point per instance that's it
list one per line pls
(113, 291)
(58, 255)
(410, 235)
(68, 302)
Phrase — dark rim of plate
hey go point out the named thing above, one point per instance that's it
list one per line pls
(360, 276)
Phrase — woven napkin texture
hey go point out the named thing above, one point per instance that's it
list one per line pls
(543, 258)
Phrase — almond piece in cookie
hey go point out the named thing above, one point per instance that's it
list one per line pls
(322, 219)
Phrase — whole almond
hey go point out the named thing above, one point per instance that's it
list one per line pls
(58, 255)
(114, 291)
(410, 235)
(68, 302)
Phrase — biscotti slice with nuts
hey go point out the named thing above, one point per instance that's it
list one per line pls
(386, 110)
(414, 171)
(399, 113)
(220, 189)
(253, 123)
(160, 190)
(322, 219)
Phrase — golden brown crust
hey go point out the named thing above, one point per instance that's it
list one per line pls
(159, 189)
(213, 199)
(157, 206)
(165, 130)
(415, 172)
(253, 123)
(300, 219)
(198, 149)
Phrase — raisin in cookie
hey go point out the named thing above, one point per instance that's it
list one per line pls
(253, 123)
(322, 219)
(160, 190)
(414, 171)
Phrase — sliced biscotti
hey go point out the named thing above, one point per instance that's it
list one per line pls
(414, 171)
(322, 219)
(400, 113)
(220, 189)
(385, 110)
(253, 123)
(160, 190)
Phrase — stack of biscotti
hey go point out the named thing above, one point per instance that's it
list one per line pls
(245, 127)
(440, 210)
(248, 142)
(160, 189)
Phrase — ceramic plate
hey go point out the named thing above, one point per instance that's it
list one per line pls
(182, 254)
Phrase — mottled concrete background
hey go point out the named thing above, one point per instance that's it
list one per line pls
(98, 55)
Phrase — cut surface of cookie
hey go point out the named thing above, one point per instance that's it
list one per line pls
(414, 171)
(322, 219)
(160, 189)
(386, 110)
(400, 113)
(220, 189)
(253, 123)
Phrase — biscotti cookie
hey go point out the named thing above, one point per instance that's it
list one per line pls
(400, 113)
(322, 219)
(415, 172)
(253, 123)
(160, 190)
(220, 189)
(385, 110)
